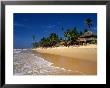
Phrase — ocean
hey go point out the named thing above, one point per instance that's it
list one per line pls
(25, 62)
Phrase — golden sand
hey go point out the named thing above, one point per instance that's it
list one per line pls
(81, 60)
(88, 52)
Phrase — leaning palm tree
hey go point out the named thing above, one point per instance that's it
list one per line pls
(88, 22)
(33, 37)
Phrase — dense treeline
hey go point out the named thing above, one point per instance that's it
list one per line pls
(70, 37)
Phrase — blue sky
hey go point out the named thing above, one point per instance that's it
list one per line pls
(42, 24)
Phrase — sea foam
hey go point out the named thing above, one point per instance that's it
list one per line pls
(27, 63)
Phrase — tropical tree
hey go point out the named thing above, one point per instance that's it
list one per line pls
(33, 44)
(88, 22)
(44, 42)
(75, 31)
(36, 44)
(50, 41)
(33, 37)
(75, 35)
(54, 39)
(71, 36)
(62, 28)
(81, 33)
(67, 34)
(85, 30)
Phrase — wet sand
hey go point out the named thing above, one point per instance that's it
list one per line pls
(25, 62)
(77, 66)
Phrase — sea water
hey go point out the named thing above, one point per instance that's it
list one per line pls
(25, 62)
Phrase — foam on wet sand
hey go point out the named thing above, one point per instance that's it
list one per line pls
(26, 63)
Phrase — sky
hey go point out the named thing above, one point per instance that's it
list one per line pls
(42, 24)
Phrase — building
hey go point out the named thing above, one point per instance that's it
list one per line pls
(87, 37)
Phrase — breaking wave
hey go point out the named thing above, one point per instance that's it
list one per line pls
(27, 63)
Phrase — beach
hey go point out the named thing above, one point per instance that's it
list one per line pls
(25, 62)
(88, 52)
(55, 44)
(79, 60)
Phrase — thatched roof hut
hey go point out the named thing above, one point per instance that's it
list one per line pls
(87, 36)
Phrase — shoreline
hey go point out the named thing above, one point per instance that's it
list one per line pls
(32, 62)
(88, 52)
(27, 63)
(76, 66)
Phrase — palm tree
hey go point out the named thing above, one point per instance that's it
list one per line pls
(85, 30)
(88, 22)
(44, 42)
(33, 37)
(67, 34)
(54, 39)
(75, 31)
(71, 36)
(62, 28)
(33, 44)
(81, 33)
(75, 35)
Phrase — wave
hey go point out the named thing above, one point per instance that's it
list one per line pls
(17, 50)
(27, 63)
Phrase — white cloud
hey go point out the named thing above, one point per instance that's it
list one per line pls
(22, 25)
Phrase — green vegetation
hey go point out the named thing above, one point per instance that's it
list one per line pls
(50, 41)
(34, 44)
(71, 37)
(88, 22)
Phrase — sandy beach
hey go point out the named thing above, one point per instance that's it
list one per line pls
(25, 62)
(56, 61)
(57, 44)
(88, 52)
(80, 60)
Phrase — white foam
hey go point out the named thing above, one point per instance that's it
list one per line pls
(26, 63)
(17, 50)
